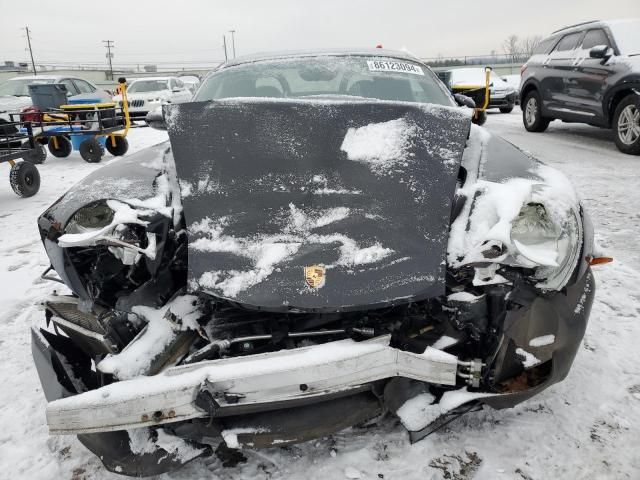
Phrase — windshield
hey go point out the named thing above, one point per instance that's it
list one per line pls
(328, 76)
(18, 87)
(627, 36)
(474, 76)
(141, 86)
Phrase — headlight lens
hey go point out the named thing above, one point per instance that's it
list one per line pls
(551, 246)
(535, 235)
(91, 217)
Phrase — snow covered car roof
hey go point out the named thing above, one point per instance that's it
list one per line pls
(626, 32)
(371, 52)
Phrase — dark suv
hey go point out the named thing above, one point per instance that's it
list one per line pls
(587, 73)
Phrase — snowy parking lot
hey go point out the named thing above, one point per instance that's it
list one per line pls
(584, 427)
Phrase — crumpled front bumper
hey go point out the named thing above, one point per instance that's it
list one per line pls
(253, 382)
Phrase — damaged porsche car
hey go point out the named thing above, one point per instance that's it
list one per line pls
(325, 239)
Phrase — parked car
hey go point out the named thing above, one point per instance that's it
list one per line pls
(191, 82)
(145, 94)
(587, 73)
(14, 93)
(514, 82)
(325, 237)
(502, 95)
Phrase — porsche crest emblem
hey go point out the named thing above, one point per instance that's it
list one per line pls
(314, 276)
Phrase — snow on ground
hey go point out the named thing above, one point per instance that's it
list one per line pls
(584, 427)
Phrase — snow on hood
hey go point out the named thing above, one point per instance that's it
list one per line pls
(381, 145)
(267, 251)
(273, 186)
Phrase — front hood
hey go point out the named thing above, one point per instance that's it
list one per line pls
(317, 205)
(9, 103)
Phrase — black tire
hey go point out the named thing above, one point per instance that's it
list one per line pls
(64, 147)
(506, 109)
(480, 118)
(122, 145)
(91, 150)
(24, 179)
(533, 120)
(627, 112)
(36, 155)
(7, 130)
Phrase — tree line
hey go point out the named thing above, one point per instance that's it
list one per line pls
(515, 50)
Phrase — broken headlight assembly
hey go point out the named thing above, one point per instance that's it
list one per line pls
(94, 216)
(100, 224)
(549, 246)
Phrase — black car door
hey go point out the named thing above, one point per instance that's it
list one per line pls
(558, 71)
(590, 84)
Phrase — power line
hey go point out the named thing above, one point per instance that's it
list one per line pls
(109, 44)
(33, 64)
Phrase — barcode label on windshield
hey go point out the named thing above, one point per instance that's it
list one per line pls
(399, 67)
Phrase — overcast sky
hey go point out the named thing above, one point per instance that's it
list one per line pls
(176, 31)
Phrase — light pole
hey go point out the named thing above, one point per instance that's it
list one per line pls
(224, 46)
(233, 42)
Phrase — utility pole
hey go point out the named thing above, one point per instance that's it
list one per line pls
(33, 64)
(224, 45)
(233, 42)
(109, 45)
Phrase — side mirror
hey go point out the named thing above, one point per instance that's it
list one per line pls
(600, 51)
(464, 101)
(155, 119)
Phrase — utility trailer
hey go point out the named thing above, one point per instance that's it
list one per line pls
(87, 127)
(20, 149)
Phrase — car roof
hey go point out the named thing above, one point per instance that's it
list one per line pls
(150, 78)
(39, 77)
(577, 26)
(55, 78)
(364, 52)
(593, 24)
